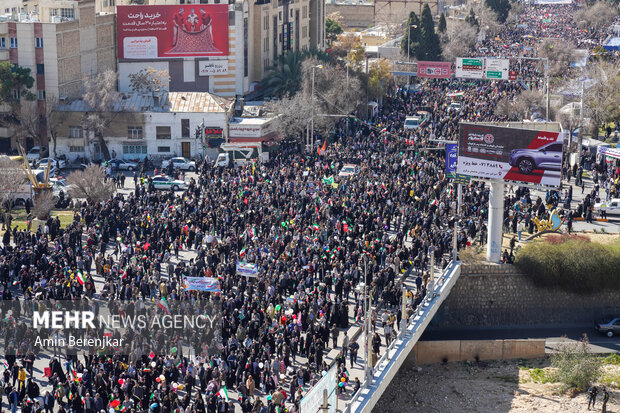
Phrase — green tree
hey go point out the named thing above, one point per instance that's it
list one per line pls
(471, 18)
(332, 30)
(501, 7)
(430, 46)
(15, 78)
(442, 25)
(285, 77)
(411, 39)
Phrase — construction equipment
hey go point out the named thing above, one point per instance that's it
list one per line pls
(38, 187)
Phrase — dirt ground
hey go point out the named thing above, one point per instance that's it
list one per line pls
(493, 387)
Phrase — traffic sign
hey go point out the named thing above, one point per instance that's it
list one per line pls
(496, 68)
(512, 75)
(462, 179)
(469, 68)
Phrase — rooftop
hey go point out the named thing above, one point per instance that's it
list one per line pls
(195, 102)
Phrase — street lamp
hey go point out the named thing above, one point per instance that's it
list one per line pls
(312, 119)
(409, 41)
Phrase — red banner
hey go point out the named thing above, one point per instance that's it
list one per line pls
(435, 70)
(165, 32)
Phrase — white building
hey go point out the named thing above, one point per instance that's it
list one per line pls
(150, 126)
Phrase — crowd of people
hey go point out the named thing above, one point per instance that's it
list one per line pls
(313, 235)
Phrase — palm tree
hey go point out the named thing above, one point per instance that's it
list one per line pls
(285, 77)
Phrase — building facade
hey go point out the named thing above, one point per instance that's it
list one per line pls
(156, 126)
(59, 53)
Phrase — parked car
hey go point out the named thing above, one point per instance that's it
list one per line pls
(349, 170)
(166, 182)
(455, 107)
(40, 173)
(611, 207)
(58, 163)
(609, 326)
(548, 157)
(35, 153)
(181, 163)
(121, 164)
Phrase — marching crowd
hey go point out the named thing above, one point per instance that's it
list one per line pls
(313, 235)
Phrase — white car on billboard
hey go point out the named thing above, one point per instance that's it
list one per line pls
(548, 157)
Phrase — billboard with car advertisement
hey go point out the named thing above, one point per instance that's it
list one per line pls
(511, 154)
(172, 31)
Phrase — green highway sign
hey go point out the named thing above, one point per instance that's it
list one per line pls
(472, 62)
(494, 75)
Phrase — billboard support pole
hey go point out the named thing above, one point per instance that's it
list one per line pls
(456, 222)
(496, 219)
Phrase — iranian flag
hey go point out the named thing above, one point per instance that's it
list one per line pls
(223, 393)
(163, 304)
(80, 277)
(242, 252)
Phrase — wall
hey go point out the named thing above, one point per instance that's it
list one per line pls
(489, 295)
(430, 352)
(354, 15)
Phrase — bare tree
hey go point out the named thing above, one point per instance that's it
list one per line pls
(104, 102)
(521, 107)
(12, 181)
(570, 122)
(149, 80)
(599, 15)
(560, 54)
(28, 122)
(54, 119)
(90, 184)
(43, 204)
(489, 22)
(334, 94)
(601, 99)
(461, 40)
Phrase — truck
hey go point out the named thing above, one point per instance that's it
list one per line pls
(241, 153)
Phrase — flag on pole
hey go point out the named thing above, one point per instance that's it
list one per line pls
(163, 304)
(80, 277)
(242, 252)
(223, 393)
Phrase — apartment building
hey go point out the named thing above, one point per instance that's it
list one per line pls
(61, 42)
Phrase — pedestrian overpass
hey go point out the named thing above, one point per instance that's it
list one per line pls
(388, 365)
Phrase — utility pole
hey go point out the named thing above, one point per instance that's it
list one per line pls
(311, 142)
(367, 85)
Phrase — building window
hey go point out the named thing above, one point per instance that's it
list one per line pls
(185, 128)
(76, 149)
(38, 42)
(40, 68)
(304, 12)
(134, 149)
(163, 132)
(163, 149)
(134, 132)
(67, 13)
(13, 42)
(76, 132)
(2, 43)
(304, 32)
(53, 12)
(41, 94)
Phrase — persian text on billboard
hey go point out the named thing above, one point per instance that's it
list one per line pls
(510, 154)
(164, 32)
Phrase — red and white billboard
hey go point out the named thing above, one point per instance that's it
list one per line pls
(435, 70)
(511, 154)
(165, 32)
